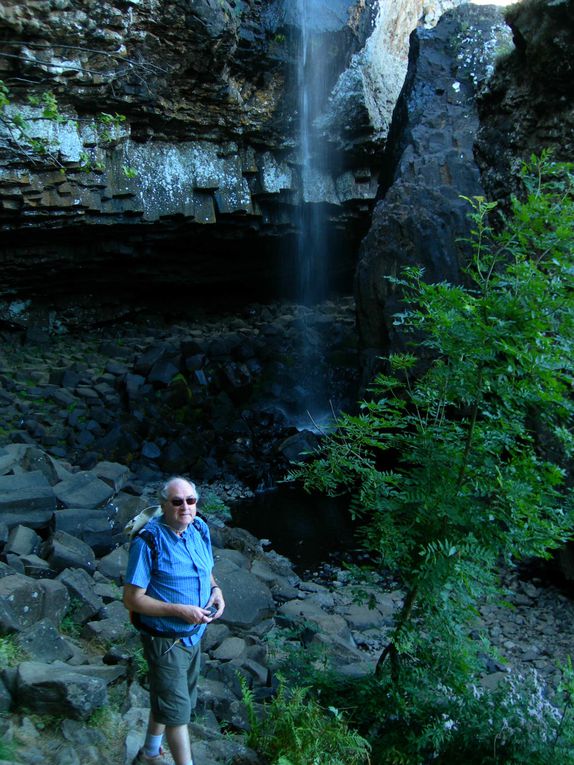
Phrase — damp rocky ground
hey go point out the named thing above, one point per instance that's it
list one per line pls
(219, 397)
(69, 405)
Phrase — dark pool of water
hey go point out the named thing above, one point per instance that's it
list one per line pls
(309, 530)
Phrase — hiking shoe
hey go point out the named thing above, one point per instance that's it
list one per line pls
(143, 759)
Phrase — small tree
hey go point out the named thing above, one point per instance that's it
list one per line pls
(453, 468)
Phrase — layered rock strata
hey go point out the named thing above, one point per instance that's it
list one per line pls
(208, 152)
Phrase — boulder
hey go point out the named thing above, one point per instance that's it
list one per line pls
(230, 648)
(29, 494)
(8, 619)
(42, 642)
(113, 626)
(113, 566)
(92, 526)
(57, 689)
(114, 474)
(81, 588)
(22, 541)
(302, 611)
(83, 490)
(215, 696)
(113, 629)
(64, 551)
(55, 599)
(34, 459)
(248, 600)
(36, 567)
(24, 601)
(21, 603)
(299, 446)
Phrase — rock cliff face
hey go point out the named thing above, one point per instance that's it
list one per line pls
(203, 176)
(422, 218)
(482, 93)
(529, 103)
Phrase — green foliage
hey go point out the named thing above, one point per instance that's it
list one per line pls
(105, 128)
(7, 751)
(10, 652)
(129, 172)
(303, 661)
(108, 721)
(456, 462)
(213, 505)
(140, 663)
(423, 721)
(295, 730)
(69, 625)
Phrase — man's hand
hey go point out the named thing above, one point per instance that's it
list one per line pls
(216, 600)
(194, 614)
(135, 599)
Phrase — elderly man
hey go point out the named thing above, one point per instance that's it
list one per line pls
(171, 591)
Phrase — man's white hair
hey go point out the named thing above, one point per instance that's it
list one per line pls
(163, 492)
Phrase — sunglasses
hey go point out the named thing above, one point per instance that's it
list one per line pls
(178, 502)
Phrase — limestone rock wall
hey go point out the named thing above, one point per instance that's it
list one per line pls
(209, 140)
(207, 92)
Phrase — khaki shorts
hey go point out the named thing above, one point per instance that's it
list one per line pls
(173, 676)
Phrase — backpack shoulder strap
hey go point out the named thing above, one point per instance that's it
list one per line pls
(149, 538)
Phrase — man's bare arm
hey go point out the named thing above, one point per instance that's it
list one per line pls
(135, 599)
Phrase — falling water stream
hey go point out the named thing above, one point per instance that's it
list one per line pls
(308, 529)
(312, 85)
(312, 231)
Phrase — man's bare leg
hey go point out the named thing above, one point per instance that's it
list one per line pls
(154, 728)
(179, 744)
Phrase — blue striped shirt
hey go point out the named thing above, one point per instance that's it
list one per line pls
(180, 574)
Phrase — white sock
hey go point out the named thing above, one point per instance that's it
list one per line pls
(152, 745)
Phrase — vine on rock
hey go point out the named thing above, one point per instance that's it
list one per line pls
(25, 141)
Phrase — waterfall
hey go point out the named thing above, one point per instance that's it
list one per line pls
(313, 89)
(312, 248)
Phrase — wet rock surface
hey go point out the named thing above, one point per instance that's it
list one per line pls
(77, 665)
(215, 397)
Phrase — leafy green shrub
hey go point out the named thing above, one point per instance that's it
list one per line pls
(420, 721)
(457, 466)
(10, 652)
(7, 750)
(140, 664)
(295, 730)
(69, 626)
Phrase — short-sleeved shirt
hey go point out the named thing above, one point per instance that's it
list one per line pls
(179, 572)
